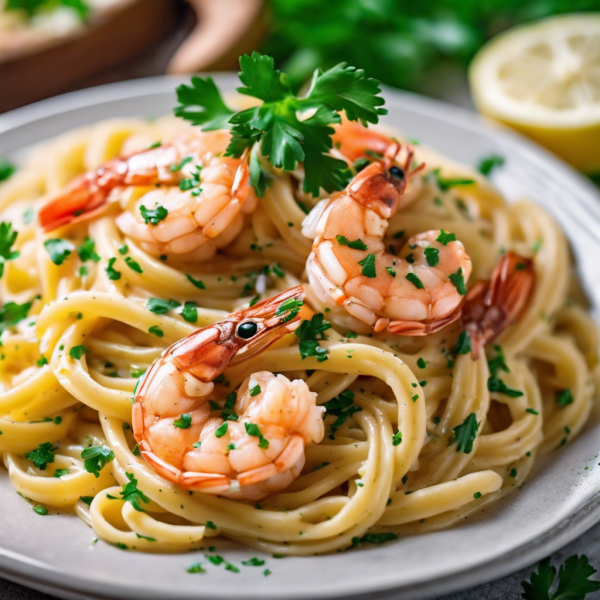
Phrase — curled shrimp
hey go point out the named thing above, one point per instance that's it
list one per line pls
(492, 306)
(203, 193)
(350, 267)
(254, 443)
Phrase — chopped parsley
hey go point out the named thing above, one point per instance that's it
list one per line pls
(12, 313)
(184, 422)
(87, 251)
(463, 344)
(445, 184)
(157, 331)
(42, 456)
(397, 438)
(196, 568)
(253, 562)
(487, 165)
(564, 398)
(132, 494)
(160, 306)
(77, 352)
(415, 281)
(421, 363)
(190, 312)
(178, 166)
(374, 538)
(255, 391)
(458, 281)
(58, 250)
(61, 472)
(112, 273)
(290, 306)
(391, 271)
(309, 333)
(284, 139)
(342, 407)
(153, 215)
(195, 282)
(95, 458)
(465, 434)
(40, 510)
(368, 266)
(445, 238)
(356, 244)
(7, 238)
(221, 430)
(133, 265)
(432, 256)
(253, 430)
(495, 384)
(6, 167)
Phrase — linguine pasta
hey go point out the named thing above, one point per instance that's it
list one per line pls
(393, 462)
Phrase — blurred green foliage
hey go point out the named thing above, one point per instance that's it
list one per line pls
(395, 41)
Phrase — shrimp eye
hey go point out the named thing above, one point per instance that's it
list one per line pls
(247, 330)
(396, 172)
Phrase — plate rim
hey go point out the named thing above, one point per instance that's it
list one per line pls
(17, 567)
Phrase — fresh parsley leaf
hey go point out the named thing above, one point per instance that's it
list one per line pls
(201, 103)
(463, 344)
(342, 407)
(415, 281)
(497, 385)
(157, 331)
(160, 306)
(574, 581)
(12, 313)
(253, 562)
(95, 458)
(153, 215)
(253, 430)
(309, 333)
(87, 251)
(111, 272)
(86, 499)
(77, 352)
(564, 398)
(132, 494)
(58, 250)
(221, 430)
(40, 510)
(368, 266)
(6, 167)
(61, 472)
(190, 312)
(195, 282)
(42, 456)
(133, 265)
(374, 538)
(444, 237)
(458, 280)
(184, 422)
(446, 184)
(255, 391)
(285, 138)
(290, 306)
(7, 238)
(391, 271)
(465, 434)
(196, 568)
(487, 165)
(397, 438)
(432, 255)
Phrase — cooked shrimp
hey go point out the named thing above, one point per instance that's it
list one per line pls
(353, 140)
(254, 443)
(492, 306)
(414, 293)
(202, 203)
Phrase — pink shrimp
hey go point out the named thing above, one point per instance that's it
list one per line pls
(201, 196)
(254, 443)
(415, 293)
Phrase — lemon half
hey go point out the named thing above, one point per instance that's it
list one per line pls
(543, 79)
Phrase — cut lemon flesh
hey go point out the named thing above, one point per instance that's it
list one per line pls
(544, 79)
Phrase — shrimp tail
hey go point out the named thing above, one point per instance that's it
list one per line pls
(87, 195)
(415, 328)
(492, 306)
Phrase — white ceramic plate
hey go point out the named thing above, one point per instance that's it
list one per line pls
(54, 553)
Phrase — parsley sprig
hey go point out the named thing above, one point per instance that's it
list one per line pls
(574, 581)
(8, 237)
(279, 128)
(309, 333)
(95, 458)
